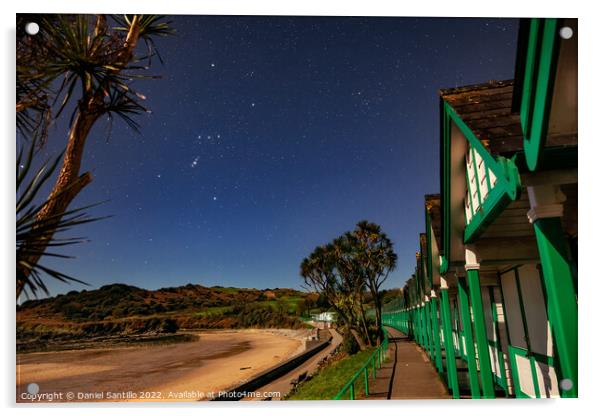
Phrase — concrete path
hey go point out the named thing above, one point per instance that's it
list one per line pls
(408, 374)
(283, 386)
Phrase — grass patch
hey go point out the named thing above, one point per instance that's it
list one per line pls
(213, 310)
(290, 304)
(330, 380)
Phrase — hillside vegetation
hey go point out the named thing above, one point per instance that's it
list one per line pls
(118, 311)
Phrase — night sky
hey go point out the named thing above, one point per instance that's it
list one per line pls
(269, 136)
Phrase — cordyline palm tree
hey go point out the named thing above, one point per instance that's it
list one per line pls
(375, 260)
(320, 273)
(343, 269)
(79, 59)
(352, 278)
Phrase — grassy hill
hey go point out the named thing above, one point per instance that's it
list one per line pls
(119, 310)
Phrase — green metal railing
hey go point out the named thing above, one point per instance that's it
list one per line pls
(377, 357)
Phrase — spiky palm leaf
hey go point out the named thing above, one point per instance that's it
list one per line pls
(81, 57)
(75, 61)
(33, 235)
(33, 92)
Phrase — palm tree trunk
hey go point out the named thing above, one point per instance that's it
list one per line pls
(349, 316)
(358, 339)
(365, 325)
(379, 319)
(70, 182)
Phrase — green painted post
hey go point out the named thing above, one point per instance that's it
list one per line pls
(417, 327)
(423, 326)
(498, 348)
(474, 287)
(456, 320)
(427, 325)
(420, 325)
(432, 330)
(412, 323)
(436, 335)
(402, 317)
(404, 321)
(450, 355)
(467, 329)
(352, 391)
(373, 367)
(366, 380)
(562, 300)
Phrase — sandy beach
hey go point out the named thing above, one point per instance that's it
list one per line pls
(175, 372)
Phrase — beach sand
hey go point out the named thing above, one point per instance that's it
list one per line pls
(174, 372)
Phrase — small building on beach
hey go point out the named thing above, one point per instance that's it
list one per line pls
(325, 319)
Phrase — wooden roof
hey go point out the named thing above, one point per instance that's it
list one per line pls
(487, 110)
(423, 244)
(433, 203)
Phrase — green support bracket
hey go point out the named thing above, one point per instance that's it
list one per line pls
(562, 299)
(507, 187)
(538, 87)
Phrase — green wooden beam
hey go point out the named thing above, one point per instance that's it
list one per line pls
(562, 299)
(538, 87)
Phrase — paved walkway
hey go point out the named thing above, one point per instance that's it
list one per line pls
(408, 374)
(283, 385)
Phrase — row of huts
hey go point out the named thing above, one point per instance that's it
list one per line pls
(493, 300)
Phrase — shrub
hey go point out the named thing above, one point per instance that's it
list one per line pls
(168, 326)
(349, 344)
